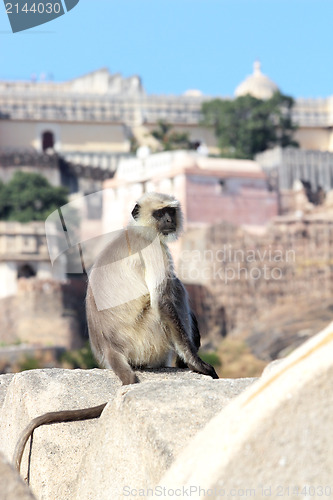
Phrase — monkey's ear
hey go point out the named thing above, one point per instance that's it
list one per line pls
(136, 211)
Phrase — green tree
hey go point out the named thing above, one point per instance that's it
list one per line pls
(246, 125)
(170, 139)
(29, 196)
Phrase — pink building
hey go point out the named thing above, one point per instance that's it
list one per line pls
(211, 190)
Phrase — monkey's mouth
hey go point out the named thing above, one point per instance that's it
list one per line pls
(168, 230)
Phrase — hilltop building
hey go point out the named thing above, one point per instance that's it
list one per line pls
(92, 119)
(210, 189)
(76, 133)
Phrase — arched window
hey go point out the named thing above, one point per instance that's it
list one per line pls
(25, 271)
(47, 140)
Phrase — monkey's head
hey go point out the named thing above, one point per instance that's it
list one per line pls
(159, 212)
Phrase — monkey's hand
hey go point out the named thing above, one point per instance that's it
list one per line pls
(212, 371)
(206, 369)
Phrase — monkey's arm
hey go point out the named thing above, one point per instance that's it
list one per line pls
(195, 330)
(183, 344)
(184, 330)
(155, 267)
(196, 339)
(50, 418)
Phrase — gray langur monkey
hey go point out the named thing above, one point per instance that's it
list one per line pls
(137, 309)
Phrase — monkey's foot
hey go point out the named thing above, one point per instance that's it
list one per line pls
(129, 378)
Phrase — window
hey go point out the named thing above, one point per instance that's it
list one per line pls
(47, 140)
(25, 271)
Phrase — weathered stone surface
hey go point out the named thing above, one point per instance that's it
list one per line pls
(145, 428)
(57, 449)
(277, 435)
(272, 367)
(11, 485)
(5, 380)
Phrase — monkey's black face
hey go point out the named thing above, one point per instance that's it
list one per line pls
(166, 220)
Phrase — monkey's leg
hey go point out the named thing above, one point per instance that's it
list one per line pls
(183, 343)
(119, 364)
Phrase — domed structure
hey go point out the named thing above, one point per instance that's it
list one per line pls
(258, 85)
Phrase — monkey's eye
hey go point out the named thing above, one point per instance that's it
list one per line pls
(158, 214)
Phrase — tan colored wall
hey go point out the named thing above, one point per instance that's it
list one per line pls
(93, 137)
(314, 138)
(16, 134)
(69, 136)
(330, 144)
(106, 137)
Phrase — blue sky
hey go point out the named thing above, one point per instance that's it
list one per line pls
(175, 45)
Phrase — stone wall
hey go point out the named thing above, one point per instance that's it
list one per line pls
(176, 434)
(284, 166)
(44, 312)
(233, 275)
(24, 252)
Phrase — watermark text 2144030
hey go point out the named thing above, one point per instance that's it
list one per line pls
(25, 14)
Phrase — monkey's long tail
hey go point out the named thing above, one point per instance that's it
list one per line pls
(50, 418)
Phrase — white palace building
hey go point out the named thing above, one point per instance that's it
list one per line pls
(92, 118)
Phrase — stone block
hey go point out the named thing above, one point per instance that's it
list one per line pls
(56, 449)
(11, 485)
(139, 435)
(145, 428)
(274, 440)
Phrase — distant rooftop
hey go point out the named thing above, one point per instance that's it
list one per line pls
(163, 163)
(102, 96)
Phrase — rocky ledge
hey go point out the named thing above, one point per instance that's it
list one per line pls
(175, 434)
